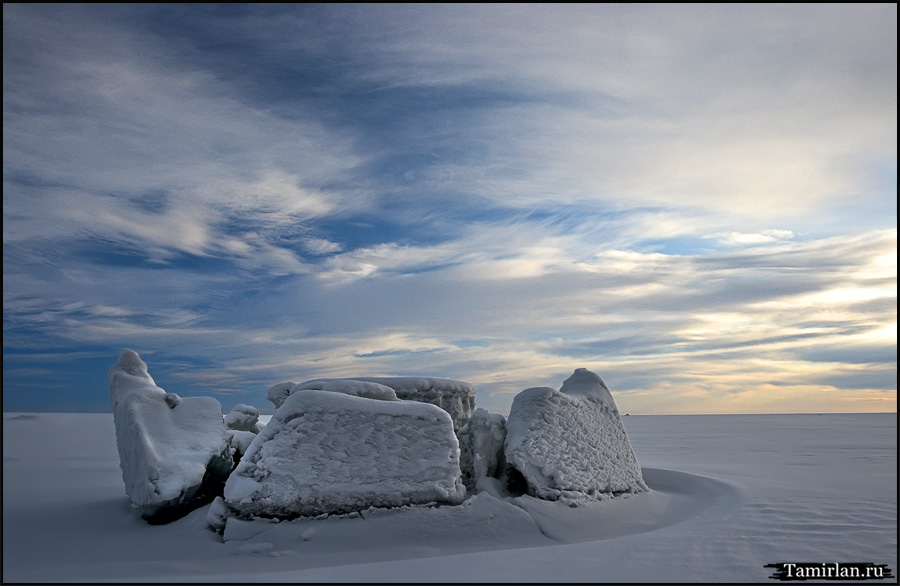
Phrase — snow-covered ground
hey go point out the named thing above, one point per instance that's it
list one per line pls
(729, 494)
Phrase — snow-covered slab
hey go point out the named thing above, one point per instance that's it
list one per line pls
(357, 388)
(570, 444)
(455, 397)
(174, 453)
(328, 452)
(481, 447)
(244, 418)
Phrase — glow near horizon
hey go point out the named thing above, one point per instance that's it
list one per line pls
(696, 202)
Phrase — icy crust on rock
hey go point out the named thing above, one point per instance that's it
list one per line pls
(481, 448)
(174, 453)
(326, 452)
(455, 397)
(570, 444)
(244, 418)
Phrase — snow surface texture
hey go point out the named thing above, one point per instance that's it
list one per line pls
(481, 448)
(327, 452)
(244, 418)
(570, 444)
(175, 453)
(455, 397)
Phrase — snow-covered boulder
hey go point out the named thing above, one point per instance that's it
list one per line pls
(328, 452)
(244, 418)
(175, 453)
(357, 388)
(570, 444)
(455, 397)
(278, 393)
(481, 447)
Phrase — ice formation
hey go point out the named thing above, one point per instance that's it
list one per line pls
(174, 453)
(481, 448)
(570, 444)
(244, 418)
(455, 397)
(328, 452)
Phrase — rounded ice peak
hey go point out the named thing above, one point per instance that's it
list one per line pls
(130, 362)
(586, 383)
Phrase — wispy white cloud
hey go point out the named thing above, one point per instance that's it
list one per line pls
(92, 124)
(756, 113)
(696, 201)
(764, 237)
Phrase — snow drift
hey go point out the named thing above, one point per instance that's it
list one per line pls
(175, 453)
(570, 444)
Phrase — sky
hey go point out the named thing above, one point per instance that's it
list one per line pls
(696, 202)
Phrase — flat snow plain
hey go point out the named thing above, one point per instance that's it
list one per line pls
(730, 494)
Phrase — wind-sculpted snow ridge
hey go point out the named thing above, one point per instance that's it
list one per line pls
(570, 444)
(174, 453)
(455, 397)
(331, 452)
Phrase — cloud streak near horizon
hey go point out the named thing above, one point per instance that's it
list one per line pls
(696, 202)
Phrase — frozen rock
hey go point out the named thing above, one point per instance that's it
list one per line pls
(244, 418)
(455, 397)
(278, 393)
(174, 452)
(570, 444)
(325, 452)
(481, 447)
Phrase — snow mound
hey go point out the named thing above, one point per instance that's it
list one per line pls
(174, 453)
(481, 448)
(357, 388)
(455, 397)
(326, 452)
(278, 393)
(217, 515)
(244, 418)
(570, 444)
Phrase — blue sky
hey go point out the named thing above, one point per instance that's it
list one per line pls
(696, 202)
